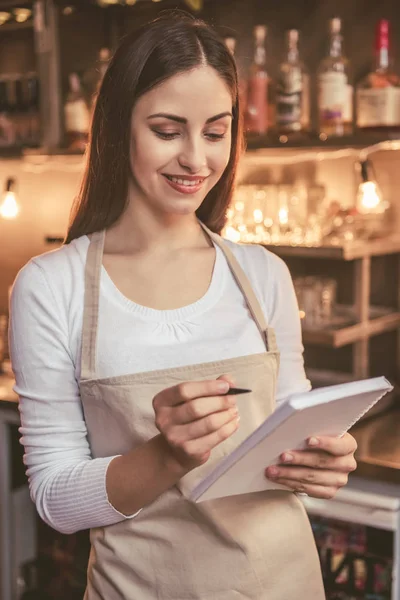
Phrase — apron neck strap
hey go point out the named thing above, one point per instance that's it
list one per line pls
(92, 295)
(91, 304)
(246, 288)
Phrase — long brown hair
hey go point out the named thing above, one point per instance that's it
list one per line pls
(173, 43)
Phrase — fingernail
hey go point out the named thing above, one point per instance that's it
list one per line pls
(222, 386)
(287, 457)
(313, 441)
(271, 472)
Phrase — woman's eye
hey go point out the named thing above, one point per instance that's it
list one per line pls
(164, 135)
(215, 136)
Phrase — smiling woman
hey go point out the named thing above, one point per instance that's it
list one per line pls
(181, 71)
(126, 340)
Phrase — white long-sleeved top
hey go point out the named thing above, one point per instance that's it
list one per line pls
(46, 310)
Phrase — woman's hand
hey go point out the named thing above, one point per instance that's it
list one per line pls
(194, 417)
(320, 470)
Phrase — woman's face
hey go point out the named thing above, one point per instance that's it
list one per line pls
(180, 141)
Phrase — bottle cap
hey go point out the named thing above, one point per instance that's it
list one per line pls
(260, 33)
(74, 82)
(293, 36)
(335, 25)
(382, 34)
(230, 43)
(104, 54)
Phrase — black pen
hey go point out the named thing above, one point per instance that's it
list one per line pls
(233, 391)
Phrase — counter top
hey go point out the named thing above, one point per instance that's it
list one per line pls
(7, 395)
(378, 438)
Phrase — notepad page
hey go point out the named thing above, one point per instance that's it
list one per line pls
(293, 423)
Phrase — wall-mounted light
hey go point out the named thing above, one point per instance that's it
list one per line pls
(4, 17)
(22, 14)
(9, 208)
(369, 198)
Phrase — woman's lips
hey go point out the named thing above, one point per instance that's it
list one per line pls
(185, 185)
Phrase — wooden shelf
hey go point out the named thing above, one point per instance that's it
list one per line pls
(51, 152)
(14, 26)
(380, 321)
(348, 251)
(358, 140)
(7, 4)
(323, 377)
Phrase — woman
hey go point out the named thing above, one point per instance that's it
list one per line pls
(125, 341)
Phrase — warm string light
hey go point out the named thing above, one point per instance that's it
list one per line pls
(283, 216)
(9, 208)
(369, 198)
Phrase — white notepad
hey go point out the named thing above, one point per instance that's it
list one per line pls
(324, 411)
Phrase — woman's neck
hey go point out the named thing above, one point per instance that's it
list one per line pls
(142, 231)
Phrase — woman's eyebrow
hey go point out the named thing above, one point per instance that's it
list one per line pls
(183, 120)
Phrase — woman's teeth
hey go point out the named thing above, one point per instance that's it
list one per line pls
(189, 183)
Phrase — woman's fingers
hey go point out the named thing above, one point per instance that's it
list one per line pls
(202, 427)
(307, 476)
(315, 491)
(201, 407)
(337, 446)
(195, 416)
(185, 392)
(203, 445)
(319, 459)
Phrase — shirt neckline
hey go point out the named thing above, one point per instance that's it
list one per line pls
(207, 301)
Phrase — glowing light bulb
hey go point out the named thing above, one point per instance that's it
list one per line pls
(258, 216)
(232, 234)
(239, 206)
(9, 208)
(22, 14)
(368, 198)
(283, 216)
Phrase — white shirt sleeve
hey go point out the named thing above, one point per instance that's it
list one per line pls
(66, 484)
(283, 315)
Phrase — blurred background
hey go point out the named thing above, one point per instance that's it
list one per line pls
(318, 184)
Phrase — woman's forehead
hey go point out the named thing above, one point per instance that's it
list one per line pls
(199, 91)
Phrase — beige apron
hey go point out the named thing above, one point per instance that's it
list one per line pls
(254, 546)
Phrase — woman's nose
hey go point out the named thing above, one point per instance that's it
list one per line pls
(193, 156)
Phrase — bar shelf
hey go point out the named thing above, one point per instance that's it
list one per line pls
(344, 329)
(348, 251)
(357, 323)
(313, 140)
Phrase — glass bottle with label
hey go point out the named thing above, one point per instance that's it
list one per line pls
(334, 90)
(93, 77)
(378, 95)
(77, 116)
(231, 43)
(256, 114)
(292, 90)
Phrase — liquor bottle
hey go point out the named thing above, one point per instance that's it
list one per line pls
(77, 116)
(378, 94)
(292, 90)
(231, 43)
(93, 76)
(333, 87)
(256, 114)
